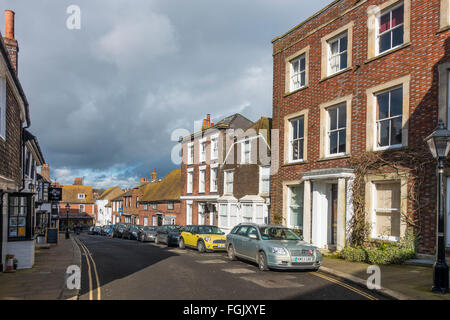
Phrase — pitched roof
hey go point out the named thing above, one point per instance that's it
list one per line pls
(110, 193)
(263, 123)
(70, 194)
(168, 189)
(222, 124)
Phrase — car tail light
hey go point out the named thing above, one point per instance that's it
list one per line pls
(310, 251)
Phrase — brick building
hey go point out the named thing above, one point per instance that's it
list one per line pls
(20, 155)
(361, 80)
(82, 205)
(202, 154)
(160, 202)
(245, 173)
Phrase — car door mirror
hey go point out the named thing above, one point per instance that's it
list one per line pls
(223, 233)
(253, 236)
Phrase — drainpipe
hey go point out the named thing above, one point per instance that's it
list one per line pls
(23, 157)
(2, 193)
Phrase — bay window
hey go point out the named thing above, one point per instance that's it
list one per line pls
(20, 220)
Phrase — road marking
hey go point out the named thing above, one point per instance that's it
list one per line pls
(239, 271)
(89, 256)
(210, 261)
(342, 284)
(278, 283)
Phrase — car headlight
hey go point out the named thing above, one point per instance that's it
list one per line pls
(281, 251)
(207, 239)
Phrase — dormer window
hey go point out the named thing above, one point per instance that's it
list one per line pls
(81, 196)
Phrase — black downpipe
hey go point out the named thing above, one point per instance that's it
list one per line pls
(22, 158)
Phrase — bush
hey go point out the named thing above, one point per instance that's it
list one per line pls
(381, 252)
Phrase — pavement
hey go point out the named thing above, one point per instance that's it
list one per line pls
(46, 280)
(409, 281)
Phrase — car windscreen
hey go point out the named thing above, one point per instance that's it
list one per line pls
(175, 228)
(209, 230)
(149, 228)
(275, 233)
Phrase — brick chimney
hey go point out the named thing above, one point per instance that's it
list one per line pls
(153, 176)
(78, 182)
(207, 122)
(45, 171)
(10, 41)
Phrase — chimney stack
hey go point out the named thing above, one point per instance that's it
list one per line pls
(143, 179)
(78, 182)
(45, 172)
(207, 122)
(10, 41)
(153, 176)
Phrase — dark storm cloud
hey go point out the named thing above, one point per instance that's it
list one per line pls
(105, 99)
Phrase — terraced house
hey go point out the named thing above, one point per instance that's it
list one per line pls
(103, 206)
(20, 155)
(202, 154)
(357, 88)
(160, 202)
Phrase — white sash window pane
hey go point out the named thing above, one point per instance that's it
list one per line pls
(233, 215)
(296, 207)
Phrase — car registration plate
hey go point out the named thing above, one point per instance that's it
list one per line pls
(220, 246)
(303, 259)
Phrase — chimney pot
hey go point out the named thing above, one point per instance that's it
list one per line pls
(9, 24)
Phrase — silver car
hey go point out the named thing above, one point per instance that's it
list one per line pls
(272, 247)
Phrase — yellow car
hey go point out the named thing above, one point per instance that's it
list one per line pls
(204, 238)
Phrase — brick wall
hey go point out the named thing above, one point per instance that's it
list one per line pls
(420, 59)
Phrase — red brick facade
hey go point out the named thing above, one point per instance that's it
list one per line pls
(419, 59)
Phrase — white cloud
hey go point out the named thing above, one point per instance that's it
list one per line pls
(137, 40)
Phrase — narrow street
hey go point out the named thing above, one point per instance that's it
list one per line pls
(128, 269)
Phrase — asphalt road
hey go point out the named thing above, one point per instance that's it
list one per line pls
(131, 270)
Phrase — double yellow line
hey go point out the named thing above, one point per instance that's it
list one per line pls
(89, 259)
(342, 284)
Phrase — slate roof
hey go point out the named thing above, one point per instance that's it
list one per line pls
(168, 189)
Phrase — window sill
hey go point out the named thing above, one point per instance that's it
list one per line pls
(335, 74)
(345, 156)
(443, 29)
(390, 148)
(295, 91)
(289, 164)
(384, 54)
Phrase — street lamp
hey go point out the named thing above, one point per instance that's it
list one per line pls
(439, 144)
(67, 220)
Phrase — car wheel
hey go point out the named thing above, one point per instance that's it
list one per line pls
(231, 253)
(181, 244)
(262, 261)
(201, 246)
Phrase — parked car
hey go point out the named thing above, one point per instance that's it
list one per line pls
(91, 230)
(131, 232)
(147, 234)
(118, 229)
(272, 246)
(96, 230)
(106, 230)
(168, 234)
(204, 238)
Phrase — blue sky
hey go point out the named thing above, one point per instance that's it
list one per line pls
(105, 99)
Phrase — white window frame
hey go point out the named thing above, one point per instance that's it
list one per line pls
(246, 151)
(189, 207)
(3, 108)
(296, 74)
(378, 23)
(202, 150)
(291, 140)
(263, 174)
(329, 131)
(214, 172)
(190, 153)
(226, 181)
(81, 208)
(374, 213)
(377, 121)
(170, 205)
(202, 179)
(190, 181)
(331, 56)
(215, 147)
(201, 213)
(81, 196)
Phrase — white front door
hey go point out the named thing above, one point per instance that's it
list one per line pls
(320, 209)
(448, 213)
